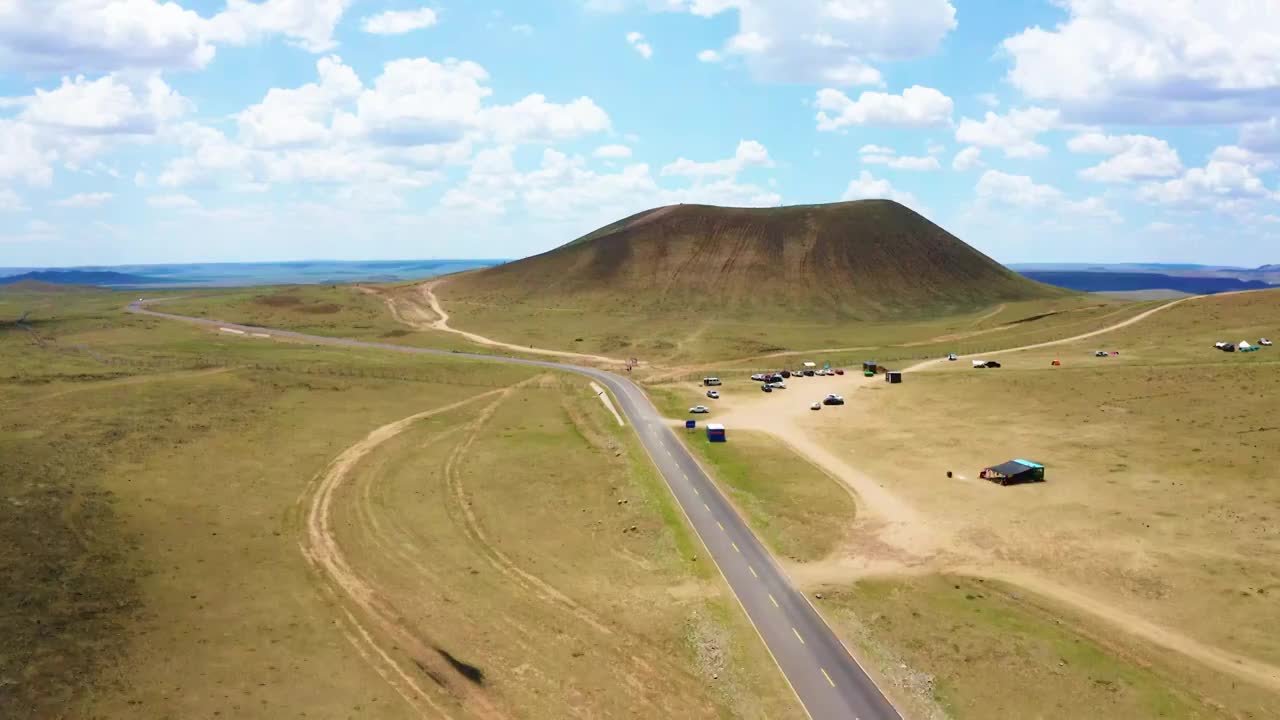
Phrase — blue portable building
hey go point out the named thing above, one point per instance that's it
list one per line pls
(715, 432)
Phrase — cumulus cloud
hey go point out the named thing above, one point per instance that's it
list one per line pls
(835, 42)
(917, 106)
(564, 188)
(967, 159)
(1020, 191)
(108, 105)
(101, 35)
(749, 154)
(398, 22)
(1147, 60)
(877, 155)
(1015, 133)
(613, 152)
(867, 187)
(1134, 157)
(1231, 174)
(637, 41)
(709, 56)
(84, 200)
(298, 116)
(309, 24)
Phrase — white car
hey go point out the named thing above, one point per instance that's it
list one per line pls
(699, 409)
(1264, 341)
(778, 385)
(713, 394)
(816, 406)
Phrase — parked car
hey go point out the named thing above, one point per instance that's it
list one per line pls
(766, 387)
(1264, 341)
(816, 406)
(808, 373)
(951, 356)
(839, 371)
(713, 394)
(779, 385)
(710, 381)
(833, 400)
(785, 374)
(699, 409)
(758, 377)
(993, 364)
(1101, 353)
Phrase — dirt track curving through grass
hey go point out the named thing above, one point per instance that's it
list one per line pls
(322, 551)
(441, 322)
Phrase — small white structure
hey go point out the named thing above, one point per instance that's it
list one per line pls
(1243, 344)
(233, 331)
(810, 365)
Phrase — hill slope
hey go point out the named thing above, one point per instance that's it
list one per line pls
(867, 259)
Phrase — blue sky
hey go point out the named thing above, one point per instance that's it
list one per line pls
(136, 131)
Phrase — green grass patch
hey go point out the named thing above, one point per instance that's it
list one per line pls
(800, 511)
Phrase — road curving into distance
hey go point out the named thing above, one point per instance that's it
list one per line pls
(824, 675)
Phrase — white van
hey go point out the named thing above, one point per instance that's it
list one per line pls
(710, 381)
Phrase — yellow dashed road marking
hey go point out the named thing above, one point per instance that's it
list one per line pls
(797, 632)
(735, 547)
(753, 572)
(828, 677)
(775, 600)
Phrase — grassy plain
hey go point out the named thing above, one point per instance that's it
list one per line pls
(800, 512)
(154, 496)
(959, 647)
(356, 311)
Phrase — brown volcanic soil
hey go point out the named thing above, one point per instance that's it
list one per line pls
(869, 259)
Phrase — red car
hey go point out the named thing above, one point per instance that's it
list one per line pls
(839, 371)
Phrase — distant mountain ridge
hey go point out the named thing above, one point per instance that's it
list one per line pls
(80, 277)
(1114, 281)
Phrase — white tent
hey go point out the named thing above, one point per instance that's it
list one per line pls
(1243, 344)
(979, 363)
(811, 364)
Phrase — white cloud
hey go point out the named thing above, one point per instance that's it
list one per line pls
(709, 56)
(309, 24)
(1231, 174)
(108, 105)
(1015, 190)
(522, 29)
(173, 201)
(967, 159)
(1146, 60)
(916, 107)
(1133, 157)
(1014, 133)
(398, 22)
(10, 201)
(875, 150)
(101, 35)
(1263, 135)
(534, 119)
(418, 101)
(827, 41)
(564, 189)
(899, 162)
(991, 100)
(301, 115)
(24, 153)
(867, 187)
(637, 41)
(749, 154)
(613, 152)
(84, 200)
(1160, 226)
(1020, 191)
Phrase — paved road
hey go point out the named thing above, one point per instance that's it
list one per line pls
(825, 677)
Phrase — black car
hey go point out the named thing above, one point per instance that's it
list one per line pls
(993, 364)
(833, 401)
(766, 387)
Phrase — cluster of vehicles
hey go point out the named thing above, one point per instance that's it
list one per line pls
(772, 381)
